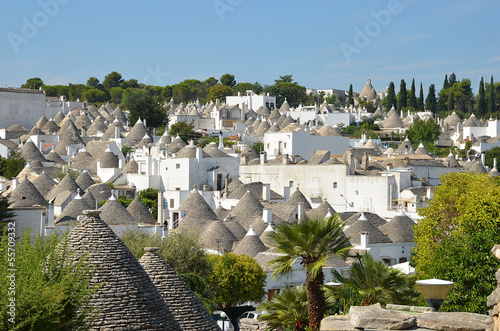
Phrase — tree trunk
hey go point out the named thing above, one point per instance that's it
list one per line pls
(315, 300)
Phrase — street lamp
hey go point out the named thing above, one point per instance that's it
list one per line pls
(434, 291)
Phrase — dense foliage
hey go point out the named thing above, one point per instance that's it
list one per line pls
(466, 210)
(374, 281)
(287, 309)
(235, 279)
(50, 293)
(11, 166)
(423, 132)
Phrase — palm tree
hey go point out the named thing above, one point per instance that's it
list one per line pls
(313, 241)
(375, 281)
(287, 309)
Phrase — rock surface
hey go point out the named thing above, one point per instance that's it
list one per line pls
(382, 319)
(454, 321)
(336, 323)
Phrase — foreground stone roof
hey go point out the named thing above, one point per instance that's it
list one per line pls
(126, 299)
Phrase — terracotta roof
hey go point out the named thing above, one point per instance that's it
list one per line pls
(126, 298)
(185, 306)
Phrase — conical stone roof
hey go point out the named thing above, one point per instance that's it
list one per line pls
(44, 183)
(69, 137)
(198, 212)
(399, 229)
(113, 213)
(140, 212)
(109, 159)
(35, 131)
(126, 298)
(217, 236)
(58, 118)
(71, 212)
(421, 150)
(251, 245)
(321, 211)
(262, 128)
(131, 167)
(66, 184)
(137, 132)
(83, 121)
(375, 235)
(213, 150)
(97, 126)
(249, 152)
(50, 127)
(236, 229)
(185, 306)
(100, 191)
(265, 236)
(31, 153)
(372, 218)
(297, 197)
(247, 210)
(285, 106)
(89, 199)
(26, 195)
(41, 122)
(327, 130)
(84, 180)
(83, 160)
(392, 122)
(54, 157)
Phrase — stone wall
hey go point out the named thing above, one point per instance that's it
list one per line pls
(494, 297)
(248, 324)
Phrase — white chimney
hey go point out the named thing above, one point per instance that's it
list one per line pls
(160, 208)
(483, 159)
(286, 192)
(42, 224)
(266, 192)
(365, 240)
(15, 183)
(495, 163)
(117, 132)
(267, 215)
(300, 212)
(263, 157)
(50, 220)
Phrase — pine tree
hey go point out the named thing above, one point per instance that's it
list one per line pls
(491, 96)
(402, 102)
(350, 100)
(445, 83)
(413, 97)
(421, 99)
(430, 102)
(391, 97)
(481, 104)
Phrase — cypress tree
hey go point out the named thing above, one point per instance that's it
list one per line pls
(350, 100)
(430, 102)
(391, 97)
(413, 97)
(421, 99)
(481, 103)
(445, 83)
(491, 96)
(452, 80)
(402, 104)
(451, 101)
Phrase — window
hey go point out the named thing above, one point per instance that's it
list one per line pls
(177, 166)
(334, 184)
(290, 183)
(267, 145)
(403, 259)
(284, 145)
(171, 203)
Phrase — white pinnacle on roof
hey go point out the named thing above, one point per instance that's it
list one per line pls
(269, 228)
(112, 197)
(401, 213)
(107, 150)
(362, 217)
(251, 232)
(78, 196)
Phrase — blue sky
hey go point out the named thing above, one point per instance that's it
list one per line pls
(324, 44)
